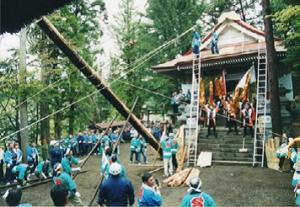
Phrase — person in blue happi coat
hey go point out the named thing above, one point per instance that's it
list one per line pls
(196, 42)
(20, 171)
(149, 194)
(10, 160)
(214, 43)
(56, 154)
(32, 156)
(19, 153)
(195, 196)
(43, 169)
(68, 160)
(63, 178)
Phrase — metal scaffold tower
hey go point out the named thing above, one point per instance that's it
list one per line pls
(261, 108)
(193, 117)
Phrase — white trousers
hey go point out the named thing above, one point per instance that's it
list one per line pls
(168, 167)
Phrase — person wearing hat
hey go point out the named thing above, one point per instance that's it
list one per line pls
(149, 193)
(116, 190)
(114, 159)
(21, 173)
(195, 196)
(63, 178)
(167, 155)
(43, 169)
(68, 160)
(174, 148)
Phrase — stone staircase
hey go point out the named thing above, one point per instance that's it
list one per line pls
(225, 148)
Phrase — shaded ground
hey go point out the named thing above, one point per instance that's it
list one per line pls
(228, 185)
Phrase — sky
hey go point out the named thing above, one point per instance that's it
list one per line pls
(9, 41)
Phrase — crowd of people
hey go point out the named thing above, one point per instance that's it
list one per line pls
(241, 114)
(60, 167)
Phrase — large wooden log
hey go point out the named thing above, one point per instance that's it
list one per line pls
(95, 79)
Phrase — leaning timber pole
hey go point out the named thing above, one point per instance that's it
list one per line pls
(95, 79)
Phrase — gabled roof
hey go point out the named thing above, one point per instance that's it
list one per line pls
(237, 40)
(14, 14)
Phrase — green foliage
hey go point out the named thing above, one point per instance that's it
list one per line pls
(288, 26)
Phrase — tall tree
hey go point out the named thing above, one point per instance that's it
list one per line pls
(22, 98)
(272, 63)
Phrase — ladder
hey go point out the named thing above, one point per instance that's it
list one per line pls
(261, 108)
(193, 117)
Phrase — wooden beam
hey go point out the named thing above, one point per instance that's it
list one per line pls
(95, 79)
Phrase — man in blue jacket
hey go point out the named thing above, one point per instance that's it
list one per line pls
(56, 154)
(196, 197)
(149, 194)
(116, 190)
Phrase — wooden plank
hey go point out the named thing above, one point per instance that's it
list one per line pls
(95, 79)
(204, 159)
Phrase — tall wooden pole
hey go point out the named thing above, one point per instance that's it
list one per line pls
(23, 106)
(95, 79)
(272, 64)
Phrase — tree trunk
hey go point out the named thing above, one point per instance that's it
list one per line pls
(22, 97)
(44, 124)
(272, 64)
(57, 125)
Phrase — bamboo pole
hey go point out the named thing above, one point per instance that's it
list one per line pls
(95, 79)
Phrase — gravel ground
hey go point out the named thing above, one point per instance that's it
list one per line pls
(229, 185)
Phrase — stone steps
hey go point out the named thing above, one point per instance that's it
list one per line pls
(226, 147)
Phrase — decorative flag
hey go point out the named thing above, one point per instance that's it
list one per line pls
(245, 94)
(211, 93)
(202, 93)
(218, 89)
(242, 82)
(223, 83)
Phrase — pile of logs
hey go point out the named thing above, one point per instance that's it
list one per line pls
(181, 177)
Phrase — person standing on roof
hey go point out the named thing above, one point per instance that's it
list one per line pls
(116, 190)
(214, 43)
(196, 197)
(196, 42)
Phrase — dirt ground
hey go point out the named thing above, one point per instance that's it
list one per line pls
(229, 185)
